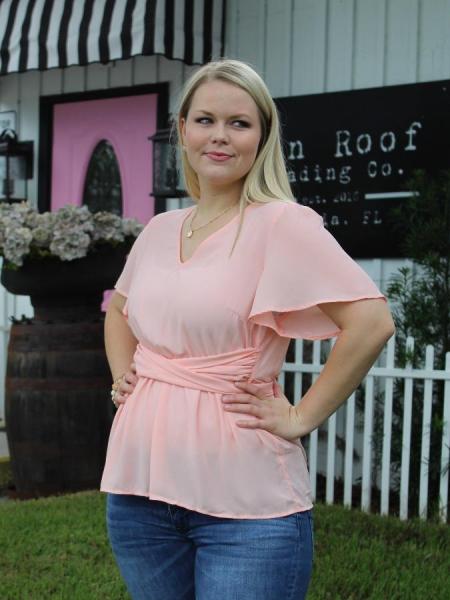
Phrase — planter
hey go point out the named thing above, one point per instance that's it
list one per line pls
(67, 290)
(57, 403)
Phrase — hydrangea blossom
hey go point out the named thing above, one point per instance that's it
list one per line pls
(68, 233)
(17, 244)
(108, 226)
(70, 243)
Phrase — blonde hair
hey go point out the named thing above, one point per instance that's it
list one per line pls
(267, 180)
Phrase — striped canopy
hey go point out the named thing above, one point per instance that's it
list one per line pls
(43, 34)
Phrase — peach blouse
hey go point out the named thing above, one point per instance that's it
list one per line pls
(201, 325)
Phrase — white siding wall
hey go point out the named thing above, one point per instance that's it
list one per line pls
(298, 46)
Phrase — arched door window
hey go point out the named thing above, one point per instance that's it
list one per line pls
(103, 187)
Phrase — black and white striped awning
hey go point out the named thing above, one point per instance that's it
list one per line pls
(43, 34)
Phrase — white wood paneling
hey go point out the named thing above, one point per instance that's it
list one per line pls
(189, 70)
(73, 79)
(29, 121)
(278, 44)
(121, 73)
(172, 71)
(52, 81)
(145, 69)
(9, 93)
(251, 29)
(434, 40)
(402, 36)
(232, 32)
(368, 43)
(338, 66)
(308, 47)
(97, 76)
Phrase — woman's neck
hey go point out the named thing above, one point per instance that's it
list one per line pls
(212, 203)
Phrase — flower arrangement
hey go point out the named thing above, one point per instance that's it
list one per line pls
(66, 234)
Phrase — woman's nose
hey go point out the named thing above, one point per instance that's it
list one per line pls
(219, 133)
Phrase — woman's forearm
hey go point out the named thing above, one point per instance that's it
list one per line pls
(348, 363)
(120, 343)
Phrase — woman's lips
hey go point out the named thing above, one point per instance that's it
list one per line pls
(218, 157)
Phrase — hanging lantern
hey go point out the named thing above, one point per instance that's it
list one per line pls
(166, 170)
(16, 167)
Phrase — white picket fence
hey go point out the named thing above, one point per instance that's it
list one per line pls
(380, 378)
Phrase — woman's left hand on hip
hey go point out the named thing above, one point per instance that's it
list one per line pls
(275, 414)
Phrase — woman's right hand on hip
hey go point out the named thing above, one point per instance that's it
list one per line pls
(126, 386)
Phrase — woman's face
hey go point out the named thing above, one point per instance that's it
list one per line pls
(221, 134)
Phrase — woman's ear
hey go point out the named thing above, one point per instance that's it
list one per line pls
(182, 129)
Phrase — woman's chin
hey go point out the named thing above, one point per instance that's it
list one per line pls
(221, 179)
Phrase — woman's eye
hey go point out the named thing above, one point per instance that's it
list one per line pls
(242, 123)
(207, 119)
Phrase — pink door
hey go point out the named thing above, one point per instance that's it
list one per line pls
(125, 123)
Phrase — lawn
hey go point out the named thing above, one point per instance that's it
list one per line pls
(58, 548)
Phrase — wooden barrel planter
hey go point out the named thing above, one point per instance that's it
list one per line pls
(58, 410)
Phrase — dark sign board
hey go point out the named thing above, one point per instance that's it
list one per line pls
(350, 154)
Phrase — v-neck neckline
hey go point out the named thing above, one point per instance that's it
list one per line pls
(211, 235)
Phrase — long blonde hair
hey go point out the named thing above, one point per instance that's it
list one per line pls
(267, 180)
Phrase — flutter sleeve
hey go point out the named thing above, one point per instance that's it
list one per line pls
(304, 265)
(123, 284)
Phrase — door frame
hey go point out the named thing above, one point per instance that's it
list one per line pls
(46, 108)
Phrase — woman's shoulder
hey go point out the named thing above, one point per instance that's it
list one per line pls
(294, 207)
(167, 217)
(269, 207)
(290, 210)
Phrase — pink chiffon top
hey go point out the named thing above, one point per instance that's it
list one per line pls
(203, 324)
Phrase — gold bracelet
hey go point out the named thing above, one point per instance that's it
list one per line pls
(117, 382)
(115, 387)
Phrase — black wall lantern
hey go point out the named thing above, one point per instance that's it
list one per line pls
(166, 170)
(16, 167)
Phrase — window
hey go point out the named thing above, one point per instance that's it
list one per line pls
(103, 187)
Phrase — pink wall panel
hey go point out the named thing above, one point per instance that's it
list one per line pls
(126, 122)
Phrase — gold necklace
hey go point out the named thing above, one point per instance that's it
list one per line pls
(191, 231)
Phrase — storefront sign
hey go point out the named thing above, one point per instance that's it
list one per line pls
(350, 154)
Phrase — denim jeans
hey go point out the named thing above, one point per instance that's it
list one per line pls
(167, 552)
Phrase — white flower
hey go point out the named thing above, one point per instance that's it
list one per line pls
(70, 244)
(74, 216)
(131, 227)
(42, 236)
(108, 226)
(17, 244)
(67, 233)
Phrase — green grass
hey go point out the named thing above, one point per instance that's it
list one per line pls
(58, 548)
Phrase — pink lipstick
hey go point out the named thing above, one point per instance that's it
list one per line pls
(218, 157)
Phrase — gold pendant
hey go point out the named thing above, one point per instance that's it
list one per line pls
(189, 233)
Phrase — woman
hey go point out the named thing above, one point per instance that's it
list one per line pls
(208, 488)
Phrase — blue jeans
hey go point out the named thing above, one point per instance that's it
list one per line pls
(167, 552)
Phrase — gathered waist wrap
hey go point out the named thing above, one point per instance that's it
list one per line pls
(213, 373)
